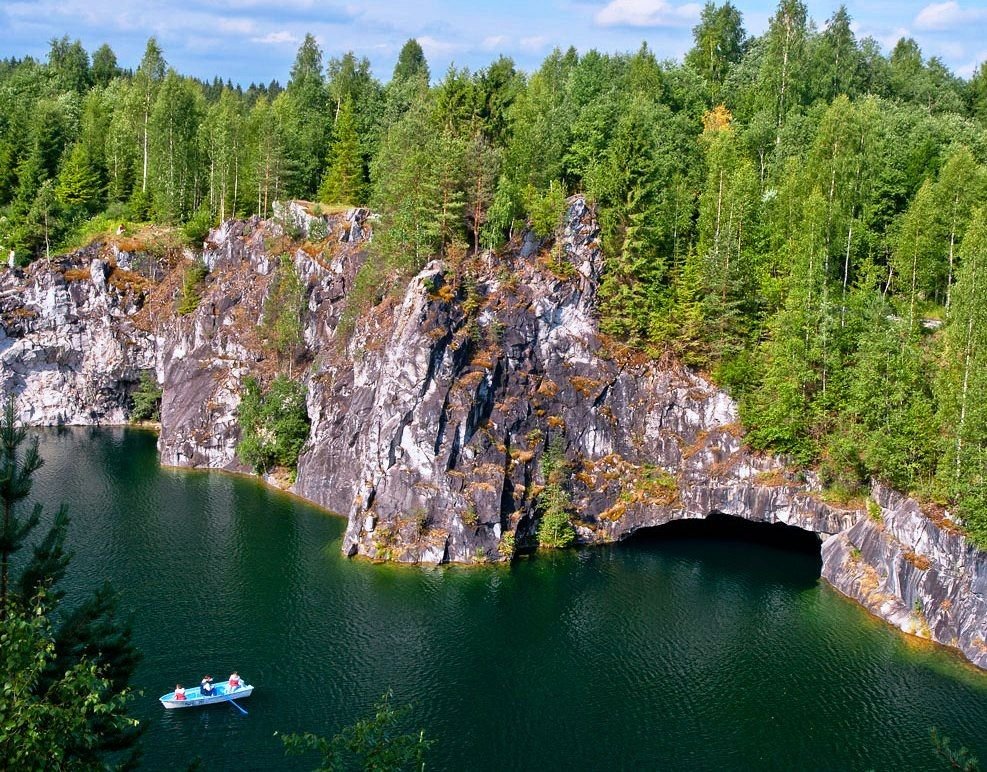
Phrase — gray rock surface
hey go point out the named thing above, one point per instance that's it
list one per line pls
(431, 414)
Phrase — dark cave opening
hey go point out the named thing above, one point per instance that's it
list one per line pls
(727, 528)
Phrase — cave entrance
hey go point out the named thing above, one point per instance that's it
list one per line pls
(722, 528)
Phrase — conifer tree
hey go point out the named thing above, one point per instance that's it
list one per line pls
(411, 64)
(343, 182)
(305, 120)
(79, 188)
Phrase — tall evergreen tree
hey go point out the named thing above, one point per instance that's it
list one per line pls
(344, 182)
(104, 67)
(306, 120)
(411, 63)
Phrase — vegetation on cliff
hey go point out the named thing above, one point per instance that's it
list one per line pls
(796, 214)
(273, 423)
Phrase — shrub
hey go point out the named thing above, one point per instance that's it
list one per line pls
(191, 296)
(146, 399)
(972, 510)
(273, 424)
(198, 226)
(318, 229)
(283, 309)
(507, 545)
(545, 208)
(555, 529)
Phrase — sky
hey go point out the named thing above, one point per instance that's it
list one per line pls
(256, 40)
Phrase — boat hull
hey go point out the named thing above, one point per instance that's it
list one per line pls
(195, 699)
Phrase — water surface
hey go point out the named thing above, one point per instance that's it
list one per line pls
(659, 653)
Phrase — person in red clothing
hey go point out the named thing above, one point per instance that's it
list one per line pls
(234, 682)
(179, 692)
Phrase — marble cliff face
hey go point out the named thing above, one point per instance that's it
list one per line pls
(430, 414)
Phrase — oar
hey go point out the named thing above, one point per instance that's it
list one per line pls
(233, 703)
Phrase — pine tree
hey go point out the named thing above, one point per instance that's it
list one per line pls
(18, 463)
(343, 182)
(104, 67)
(305, 120)
(79, 187)
(411, 64)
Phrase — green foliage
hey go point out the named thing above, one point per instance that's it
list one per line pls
(283, 310)
(63, 674)
(972, 510)
(192, 281)
(545, 208)
(197, 227)
(52, 725)
(792, 213)
(18, 463)
(146, 398)
(343, 182)
(273, 424)
(507, 545)
(961, 758)
(377, 743)
(555, 530)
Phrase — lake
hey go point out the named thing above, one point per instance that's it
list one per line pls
(677, 649)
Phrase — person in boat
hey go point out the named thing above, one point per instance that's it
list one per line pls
(179, 692)
(234, 682)
(206, 689)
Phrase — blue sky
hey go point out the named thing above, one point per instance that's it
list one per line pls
(256, 40)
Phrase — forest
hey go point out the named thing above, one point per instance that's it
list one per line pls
(798, 215)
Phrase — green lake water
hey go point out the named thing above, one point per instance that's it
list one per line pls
(660, 653)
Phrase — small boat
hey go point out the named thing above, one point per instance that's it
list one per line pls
(194, 697)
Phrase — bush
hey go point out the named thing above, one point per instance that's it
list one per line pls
(273, 424)
(555, 529)
(318, 229)
(192, 288)
(545, 208)
(146, 399)
(198, 227)
(507, 545)
(284, 308)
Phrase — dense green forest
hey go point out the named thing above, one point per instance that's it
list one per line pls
(798, 215)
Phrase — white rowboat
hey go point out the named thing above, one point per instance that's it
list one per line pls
(194, 698)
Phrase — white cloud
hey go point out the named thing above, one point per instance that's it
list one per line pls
(533, 44)
(493, 42)
(236, 26)
(647, 13)
(946, 16)
(435, 47)
(281, 37)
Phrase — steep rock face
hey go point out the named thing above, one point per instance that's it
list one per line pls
(431, 435)
(431, 412)
(207, 354)
(69, 347)
(919, 575)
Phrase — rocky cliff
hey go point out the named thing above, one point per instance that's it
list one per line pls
(431, 412)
